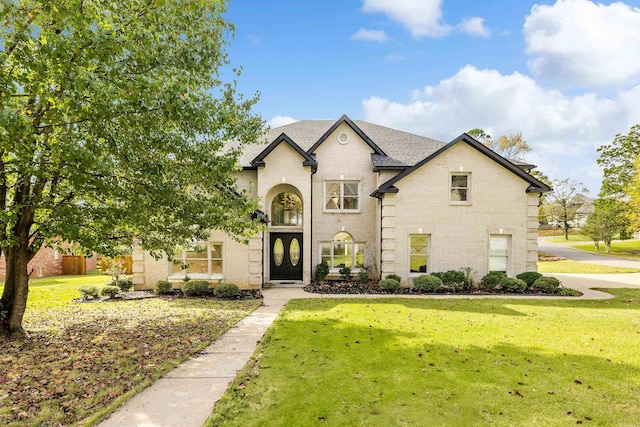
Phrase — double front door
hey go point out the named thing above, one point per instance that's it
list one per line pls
(286, 256)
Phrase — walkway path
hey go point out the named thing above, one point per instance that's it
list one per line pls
(185, 396)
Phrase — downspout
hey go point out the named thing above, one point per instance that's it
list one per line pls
(262, 265)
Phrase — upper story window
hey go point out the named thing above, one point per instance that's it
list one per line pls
(200, 260)
(286, 210)
(342, 196)
(460, 188)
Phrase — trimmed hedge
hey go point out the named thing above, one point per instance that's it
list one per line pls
(226, 290)
(110, 291)
(547, 285)
(89, 291)
(529, 277)
(492, 280)
(389, 285)
(427, 283)
(511, 285)
(394, 277)
(195, 288)
(163, 287)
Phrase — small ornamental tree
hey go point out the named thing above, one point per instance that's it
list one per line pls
(113, 125)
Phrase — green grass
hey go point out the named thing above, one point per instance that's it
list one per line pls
(621, 248)
(569, 266)
(471, 362)
(572, 238)
(83, 360)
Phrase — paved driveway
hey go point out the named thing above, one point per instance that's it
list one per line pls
(583, 282)
(582, 256)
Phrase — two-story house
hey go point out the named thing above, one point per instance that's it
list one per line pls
(364, 196)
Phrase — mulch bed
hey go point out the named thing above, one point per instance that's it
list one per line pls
(346, 288)
(245, 294)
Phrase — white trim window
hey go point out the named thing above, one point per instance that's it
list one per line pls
(201, 261)
(499, 251)
(342, 196)
(418, 254)
(342, 251)
(460, 185)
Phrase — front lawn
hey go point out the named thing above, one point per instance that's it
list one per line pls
(622, 248)
(450, 362)
(569, 266)
(83, 360)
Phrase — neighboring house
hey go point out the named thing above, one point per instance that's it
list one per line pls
(48, 262)
(356, 194)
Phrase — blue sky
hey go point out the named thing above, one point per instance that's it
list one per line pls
(565, 73)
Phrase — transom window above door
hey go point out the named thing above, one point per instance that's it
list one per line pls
(342, 196)
(286, 210)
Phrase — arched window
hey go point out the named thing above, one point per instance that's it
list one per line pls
(342, 251)
(286, 210)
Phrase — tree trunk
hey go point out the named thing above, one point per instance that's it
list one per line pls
(607, 246)
(16, 290)
(596, 243)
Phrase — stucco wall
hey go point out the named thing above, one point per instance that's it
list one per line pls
(459, 234)
(337, 162)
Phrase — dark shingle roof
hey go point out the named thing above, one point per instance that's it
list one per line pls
(402, 148)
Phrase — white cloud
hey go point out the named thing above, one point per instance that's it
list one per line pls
(370, 35)
(583, 43)
(395, 57)
(475, 27)
(253, 39)
(421, 17)
(558, 127)
(279, 120)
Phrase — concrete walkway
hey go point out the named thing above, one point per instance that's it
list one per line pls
(185, 396)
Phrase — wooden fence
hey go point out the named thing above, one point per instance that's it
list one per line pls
(72, 264)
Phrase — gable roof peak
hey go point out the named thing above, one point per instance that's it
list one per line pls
(345, 119)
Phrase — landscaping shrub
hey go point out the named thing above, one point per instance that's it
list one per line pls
(469, 277)
(123, 283)
(394, 277)
(567, 292)
(452, 278)
(226, 290)
(547, 285)
(195, 288)
(529, 277)
(163, 287)
(492, 280)
(89, 291)
(389, 285)
(322, 270)
(427, 283)
(512, 285)
(345, 273)
(363, 276)
(110, 291)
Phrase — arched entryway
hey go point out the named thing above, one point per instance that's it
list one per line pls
(285, 234)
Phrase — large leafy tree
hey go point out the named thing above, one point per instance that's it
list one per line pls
(564, 201)
(113, 120)
(633, 190)
(604, 223)
(511, 146)
(617, 161)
